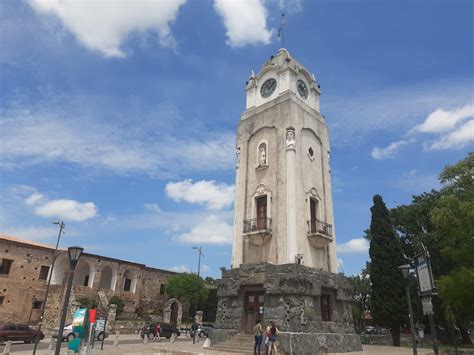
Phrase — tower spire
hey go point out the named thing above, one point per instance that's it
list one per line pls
(281, 30)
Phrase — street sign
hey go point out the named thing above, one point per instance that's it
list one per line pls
(100, 325)
(427, 306)
(424, 274)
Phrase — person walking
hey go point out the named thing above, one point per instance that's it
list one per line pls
(272, 333)
(158, 331)
(257, 332)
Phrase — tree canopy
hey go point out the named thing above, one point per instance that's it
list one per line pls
(444, 222)
(188, 288)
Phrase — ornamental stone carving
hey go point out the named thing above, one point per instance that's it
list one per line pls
(262, 154)
(290, 138)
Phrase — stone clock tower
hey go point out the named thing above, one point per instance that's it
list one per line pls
(284, 265)
(283, 206)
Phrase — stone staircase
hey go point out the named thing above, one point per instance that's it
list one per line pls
(239, 343)
(104, 302)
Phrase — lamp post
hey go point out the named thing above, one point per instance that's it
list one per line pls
(406, 273)
(196, 301)
(43, 306)
(33, 301)
(74, 254)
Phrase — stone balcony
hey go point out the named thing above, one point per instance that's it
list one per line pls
(319, 233)
(258, 230)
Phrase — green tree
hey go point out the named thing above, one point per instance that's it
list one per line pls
(209, 307)
(444, 222)
(119, 303)
(453, 216)
(387, 292)
(188, 288)
(360, 298)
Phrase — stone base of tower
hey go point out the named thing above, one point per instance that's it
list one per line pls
(311, 308)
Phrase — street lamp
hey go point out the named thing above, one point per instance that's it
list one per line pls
(406, 273)
(74, 254)
(196, 301)
(43, 306)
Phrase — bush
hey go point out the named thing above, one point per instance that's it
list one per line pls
(119, 303)
(90, 303)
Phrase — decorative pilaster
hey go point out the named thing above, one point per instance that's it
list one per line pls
(291, 241)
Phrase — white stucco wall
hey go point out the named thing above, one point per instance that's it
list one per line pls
(267, 120)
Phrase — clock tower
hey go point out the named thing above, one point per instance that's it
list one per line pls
(284, 266)
(283, 206)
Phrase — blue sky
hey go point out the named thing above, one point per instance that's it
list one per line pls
(120, 118)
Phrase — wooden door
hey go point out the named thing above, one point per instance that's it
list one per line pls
(254, 303)
(313, 207)
(261, 212)
(325, 307)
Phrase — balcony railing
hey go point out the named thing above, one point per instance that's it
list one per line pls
(315, 226)
(257, 224)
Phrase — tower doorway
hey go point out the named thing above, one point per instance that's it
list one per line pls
(253, 309)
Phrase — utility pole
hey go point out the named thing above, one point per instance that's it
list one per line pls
(43, 306)
(199, 249)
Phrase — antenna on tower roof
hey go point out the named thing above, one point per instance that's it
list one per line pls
(281, 30)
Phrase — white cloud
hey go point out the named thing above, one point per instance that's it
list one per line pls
(214, 196)
(31, 232)
(34, 198)
(453, 133)
(67, 209)
(104, 26)
(459, 138)
(180, 268)
(442, 121)
(353, 246)
(49, 135)
(245, 21)
(396, 109)
(416, 182)
(152, 207)
(290, 6)
(388, 152)
(212, 230)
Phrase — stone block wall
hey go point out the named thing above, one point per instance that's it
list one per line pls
(93, 274)
(292, 297)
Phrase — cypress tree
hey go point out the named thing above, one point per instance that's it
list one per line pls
(388, 283)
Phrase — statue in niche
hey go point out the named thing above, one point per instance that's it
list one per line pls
(237, 154)
(290, 138)
(262, 155)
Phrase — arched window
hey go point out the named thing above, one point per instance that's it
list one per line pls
(129, 281)
(60, 267)
(84, 274)
(108, 278)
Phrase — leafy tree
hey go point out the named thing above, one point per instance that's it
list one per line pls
(209, 307)
(188, 288)
(444, 222)
(387, 292)
(119, 303)
(361, 298)
(453, 216)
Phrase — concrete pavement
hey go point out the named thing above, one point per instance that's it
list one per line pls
(130, 345)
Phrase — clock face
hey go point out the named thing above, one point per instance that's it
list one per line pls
(268, 88)
(302, 89)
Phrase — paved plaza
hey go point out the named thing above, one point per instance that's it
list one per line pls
(130, 345)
